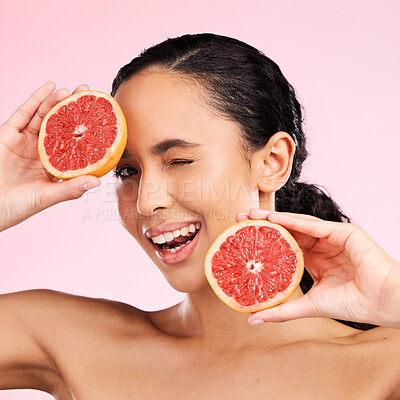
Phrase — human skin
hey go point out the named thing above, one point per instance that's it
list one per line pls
(76, 347)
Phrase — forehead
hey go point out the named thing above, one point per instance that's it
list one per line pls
(161, 97)
(161, 105)
(152, 86)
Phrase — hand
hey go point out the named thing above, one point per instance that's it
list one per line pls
(354, 278)
(25, 186)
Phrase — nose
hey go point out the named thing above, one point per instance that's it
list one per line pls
(152, 195)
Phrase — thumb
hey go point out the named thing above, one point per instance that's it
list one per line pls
(74, 188)
(295, 309)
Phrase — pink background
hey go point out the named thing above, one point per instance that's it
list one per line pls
(341, 56)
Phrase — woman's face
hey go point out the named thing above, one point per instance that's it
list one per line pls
(182, 171)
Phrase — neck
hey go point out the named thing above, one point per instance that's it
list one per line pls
(205, 316)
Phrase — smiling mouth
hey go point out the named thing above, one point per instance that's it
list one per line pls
(176, 240)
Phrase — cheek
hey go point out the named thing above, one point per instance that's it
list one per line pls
(126, 193)
(230, 193)
(206, 182)
(228, 187)
(127, 190)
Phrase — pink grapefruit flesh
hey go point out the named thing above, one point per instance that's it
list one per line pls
(254, 265)
(83, 134)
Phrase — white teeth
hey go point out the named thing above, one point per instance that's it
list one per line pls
(160, 239)
(168, 236)
(178, 248)
(192, 228)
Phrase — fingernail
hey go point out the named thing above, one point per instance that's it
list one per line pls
(89, 185)
(257, 322)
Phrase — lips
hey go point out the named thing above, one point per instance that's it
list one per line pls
(169, 255)
(173, 244)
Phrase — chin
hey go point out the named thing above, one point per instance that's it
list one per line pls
(186, 282)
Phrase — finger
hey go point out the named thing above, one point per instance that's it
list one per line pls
(81, 88)
(295, 309)
(60, 94)
(25, 112)
(304, 240)
(34, 125)
(241, 217)
(314, 227)
(54, 193)
(256, 213)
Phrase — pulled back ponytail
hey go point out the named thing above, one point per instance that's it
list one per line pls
(242, 84)
(305, 198)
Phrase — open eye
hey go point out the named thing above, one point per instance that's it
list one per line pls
(124, 172)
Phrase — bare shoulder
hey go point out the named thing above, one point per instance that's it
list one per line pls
(40, 329)
(382, 345)
(54, 317)
(379, 335)
(384, 341)
(69, 309)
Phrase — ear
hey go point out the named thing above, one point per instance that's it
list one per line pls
(273, 163)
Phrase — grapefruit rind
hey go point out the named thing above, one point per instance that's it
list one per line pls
(281, 296)
(113, 153)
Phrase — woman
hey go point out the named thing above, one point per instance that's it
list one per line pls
(213, 125)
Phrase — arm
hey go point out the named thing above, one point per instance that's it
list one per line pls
(24, 361)
(25, 189)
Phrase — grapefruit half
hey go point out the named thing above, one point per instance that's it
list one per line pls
(83, 134)
(254, 265)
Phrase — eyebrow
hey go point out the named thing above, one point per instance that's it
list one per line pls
(163, 146)
(126, 154)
